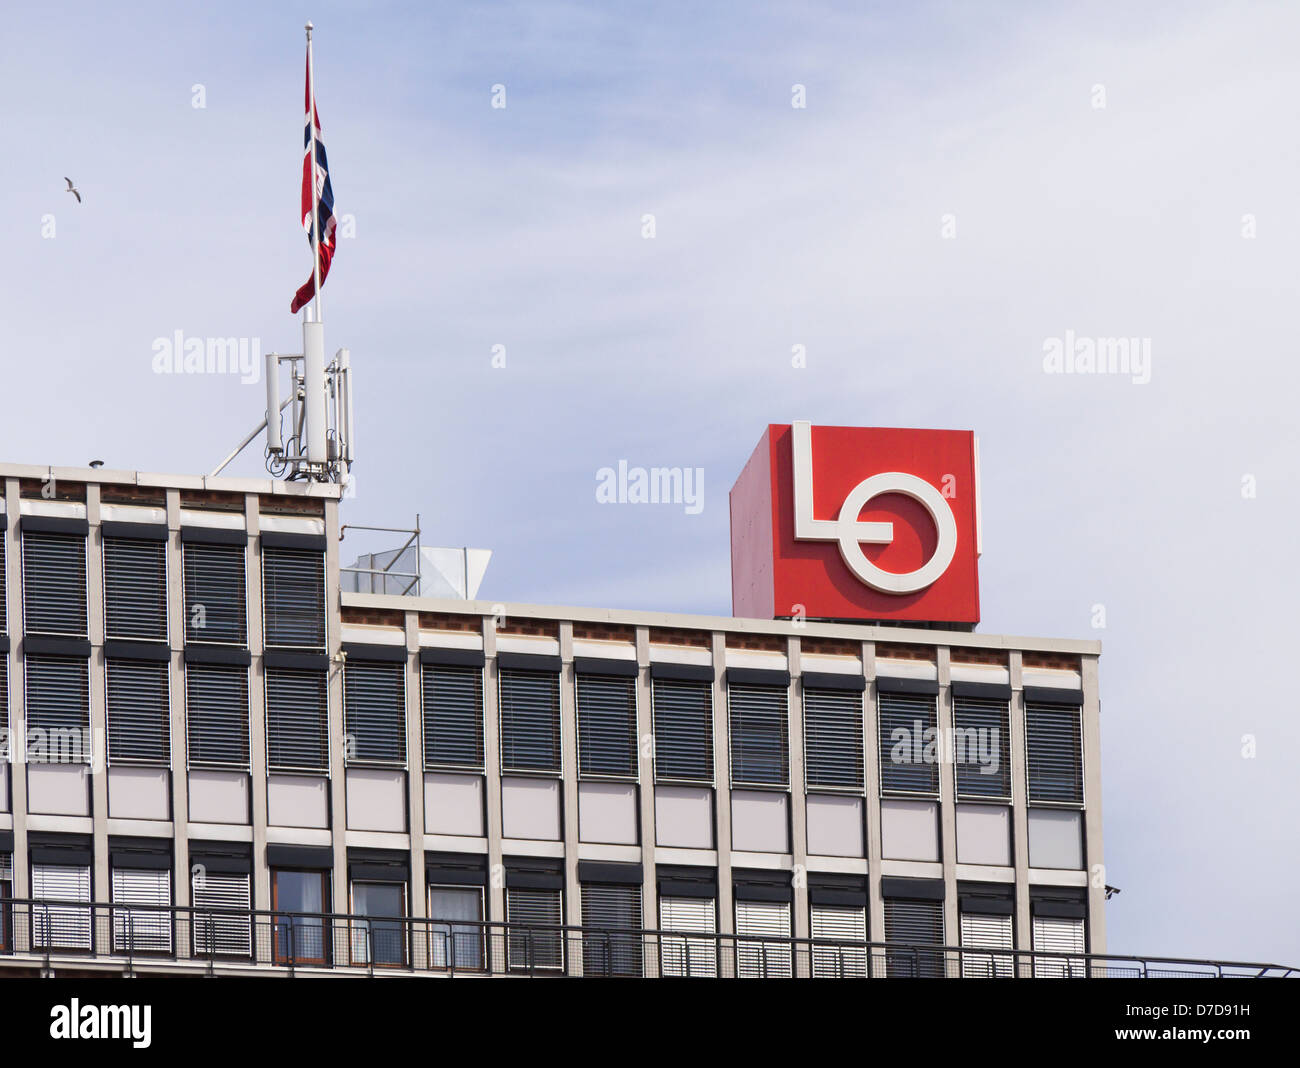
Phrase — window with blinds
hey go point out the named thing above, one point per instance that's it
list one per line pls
(61, 926)
(838, 924)
(4, 706)
(688, 947)
(530, 721)
(216, 698)
(1054, 752)
(54, 584)
(147, 926)
(58, 705)
(982, 747)
(759, 735)
(910, 926)
(607, 725)
(533, 918)
(297, 727)
(218, 933)
(139, 720)
(374, 707)
(980, 932)
(907, 727)
(135, 589)
(683, 726)
(215, 605)
(452, 699)
(461, 943)
(293, 597)
(4, 583)
(763, 959)
(611, 918)
(1065, 940)
(832, 724)
(6, 890)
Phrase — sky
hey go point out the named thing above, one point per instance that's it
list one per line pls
(964, 184)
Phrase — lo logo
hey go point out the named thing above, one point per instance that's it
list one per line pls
(850, 532)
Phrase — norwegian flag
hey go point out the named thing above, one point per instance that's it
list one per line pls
(325, 198)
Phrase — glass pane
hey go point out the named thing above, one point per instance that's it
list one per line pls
(463, 940)
(381, 937)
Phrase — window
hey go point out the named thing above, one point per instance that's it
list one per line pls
(1054, 744)
(58, 705)
(298, 898)
(834, 924)
(217, 706)
(139, 724)
(214, 594)
(910, 926)
(908, 763)
(297, 730)
(759, 753)
(148, 927)
(378, 932)
(833, 737)
(764, 959)
(1063, 936)
(534, 940)
(54, 584)
(683, 726)
(293, 591)
(530, 721)
(64, 926)
(374, 704)
(691, 950)
(6, 892)
(980, 931)
(4, 582)
(135, 589)
(452, 700)
(981, 747)
(218, 932)
(607, 725)
(4, 704)
(455, 913)
(606, 912)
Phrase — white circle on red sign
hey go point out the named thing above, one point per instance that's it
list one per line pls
(852, 532)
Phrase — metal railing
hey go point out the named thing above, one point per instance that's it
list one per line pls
(379, 576)
(132, 938)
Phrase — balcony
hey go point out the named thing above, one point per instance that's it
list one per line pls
(76, 938)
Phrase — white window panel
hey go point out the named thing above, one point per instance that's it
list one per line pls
(1058, 935)
(147, 929)
(986, 932)
(61, 926)
(765, 919)
(214, 933)
(839, 923)
(680, 954)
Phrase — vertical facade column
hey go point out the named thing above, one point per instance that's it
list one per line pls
(492, 779)
(257, 703)
(646, 796)
(798, 801)
(947, 802)
(722, 798)
(1020, 809)
(569, 794)
(176, 713)
(101, 889)
(17, 703)
(339, 902)
(1094, 862)
(415, 764)
(871, 766)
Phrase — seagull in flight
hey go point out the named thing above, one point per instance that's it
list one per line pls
(72, 188)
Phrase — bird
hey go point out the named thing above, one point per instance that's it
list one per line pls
(72, 188)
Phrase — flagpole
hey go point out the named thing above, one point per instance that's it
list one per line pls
(315, 194)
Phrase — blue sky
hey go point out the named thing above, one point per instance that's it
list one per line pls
(775, 226)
